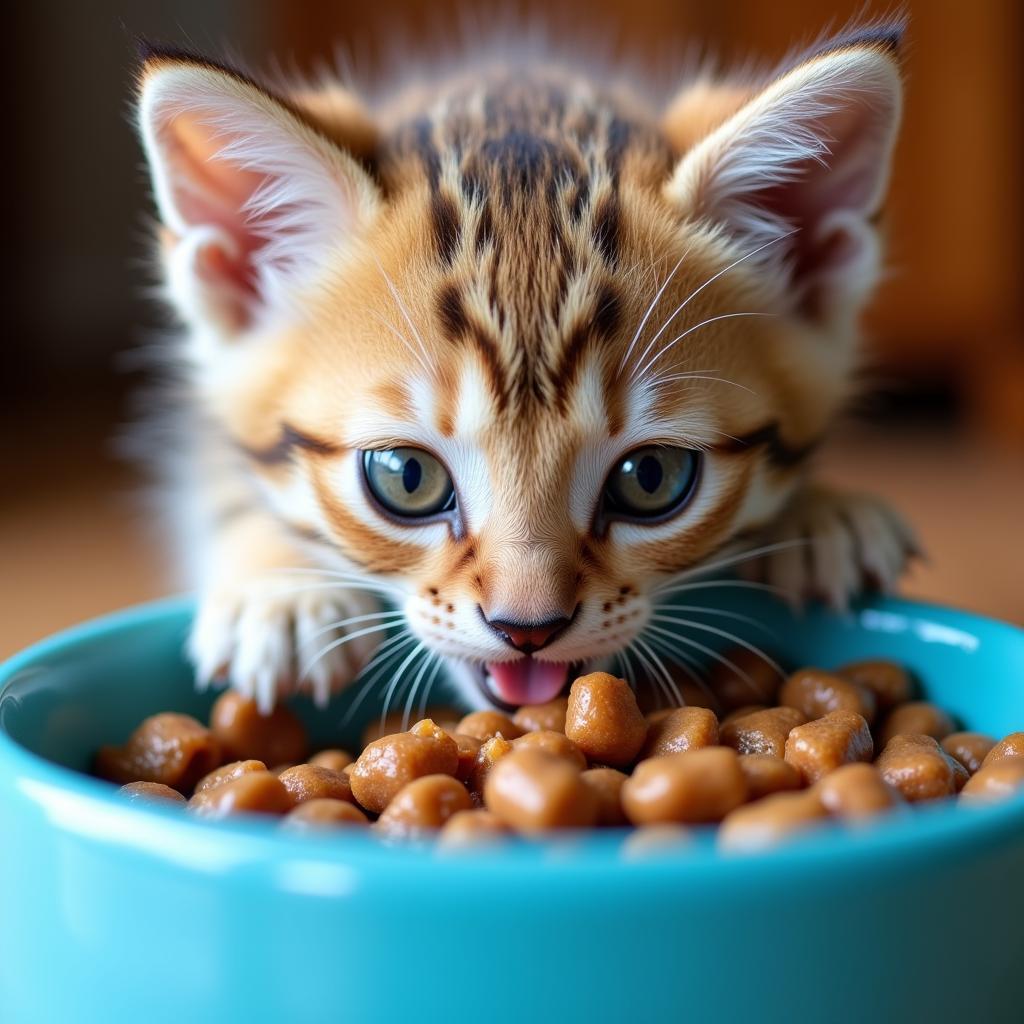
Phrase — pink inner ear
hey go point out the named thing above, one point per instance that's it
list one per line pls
(213, 191)
(847, 180)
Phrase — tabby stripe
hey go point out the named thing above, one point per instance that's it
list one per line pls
(451, 311)
(444, 215)
(290, 439)
(769, 437)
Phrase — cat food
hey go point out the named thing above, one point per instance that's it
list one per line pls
(603, 719)
(760, 773)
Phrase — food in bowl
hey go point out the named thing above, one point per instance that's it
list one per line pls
(846, 745)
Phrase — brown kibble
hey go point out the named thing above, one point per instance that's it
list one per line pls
(697, 695)
(969, 748)
(918, 718)
(816, 693)
(468, 747)
(151, 792)
(392, 762)
(424, 805)
(607, 786)
(398, 721)
(603, 719)
(681, 729)
(492, 751)
(485, 724)
(533, 791)
(552, 742)
(767, 774)
(890, 683)
(757, 682)
(172, 749)
(277, 738)
(920, 769)
(333, 758)
(324, 813)
(542, 717)
(472, 828)
(314, 782)
(857, 791)
(996, 781)
(228, 772)
(1011, 745)
(249, 793)
(763, 732)
(819, 747)
(770, 822)
(693, 787)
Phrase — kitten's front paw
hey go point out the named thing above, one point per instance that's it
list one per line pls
(833, 546)
(272, 636)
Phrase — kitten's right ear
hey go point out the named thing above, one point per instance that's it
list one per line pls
(253, 199)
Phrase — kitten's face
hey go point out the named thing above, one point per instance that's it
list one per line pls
(536, 382)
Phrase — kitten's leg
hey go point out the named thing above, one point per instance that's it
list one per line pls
(262, 620)
(845, 544)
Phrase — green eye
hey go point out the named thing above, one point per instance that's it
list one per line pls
(651, 482)
(408, 482)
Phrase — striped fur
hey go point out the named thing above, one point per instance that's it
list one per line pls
(527, 273)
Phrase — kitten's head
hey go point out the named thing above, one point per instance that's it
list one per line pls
(517, 346)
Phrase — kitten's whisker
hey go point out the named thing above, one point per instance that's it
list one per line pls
(342, 623)
(731, 637)
(429, 660)
(666, 675)
(704, 649)
(405, 314)
(381, 660)
(438, 665)
(658, 381)
(396, 679)
(742, 556)
(714, 277)
(341, 641)
(686, 663)
(667, 606)
(344, 577)
(638, 374)
(648, 669)
(401, 337)
(651, 308)
(710, 584)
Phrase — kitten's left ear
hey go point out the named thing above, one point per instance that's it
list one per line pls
(808, 154)
(255, 195)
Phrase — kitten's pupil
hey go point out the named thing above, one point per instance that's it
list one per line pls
(649, 474)
(412, 474)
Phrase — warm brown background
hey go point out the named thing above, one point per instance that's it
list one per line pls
(943, 437)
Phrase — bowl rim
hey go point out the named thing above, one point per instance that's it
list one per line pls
(332, 864)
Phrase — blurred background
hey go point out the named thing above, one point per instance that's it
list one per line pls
(941, 434)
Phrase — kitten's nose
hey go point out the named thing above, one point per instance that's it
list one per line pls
(527, 636)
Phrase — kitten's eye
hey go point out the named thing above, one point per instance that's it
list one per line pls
(408, 482)
(651, 482)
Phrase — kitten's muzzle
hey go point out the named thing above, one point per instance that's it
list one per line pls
(528, 637)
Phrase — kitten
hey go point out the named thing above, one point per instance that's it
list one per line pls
(512, 349)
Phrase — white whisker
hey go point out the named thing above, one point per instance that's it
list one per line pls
(704, 649)
(714, 277)
(405, 314)
(732, 638)
(341, 641)
(380, 659)
(431, 658)
(396, 679)
(742, 556)
(342, 623)
(639, 374)
(651, 308)
(666, 675)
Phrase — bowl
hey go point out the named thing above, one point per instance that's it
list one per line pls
(118, 912)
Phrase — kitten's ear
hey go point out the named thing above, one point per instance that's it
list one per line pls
(808, 154)
(253, 199)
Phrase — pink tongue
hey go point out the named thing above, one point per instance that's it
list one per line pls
(527, 681)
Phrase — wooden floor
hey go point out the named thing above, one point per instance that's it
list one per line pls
(75, 541)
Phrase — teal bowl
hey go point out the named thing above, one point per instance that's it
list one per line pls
(114, 912)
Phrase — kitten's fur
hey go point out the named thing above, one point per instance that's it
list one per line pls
(528, 274)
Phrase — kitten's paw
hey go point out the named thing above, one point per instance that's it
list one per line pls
(833, 546)
(271, 637)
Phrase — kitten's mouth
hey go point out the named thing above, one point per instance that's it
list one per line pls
(526, 681)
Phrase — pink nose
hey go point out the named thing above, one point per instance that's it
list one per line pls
(527, 636)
